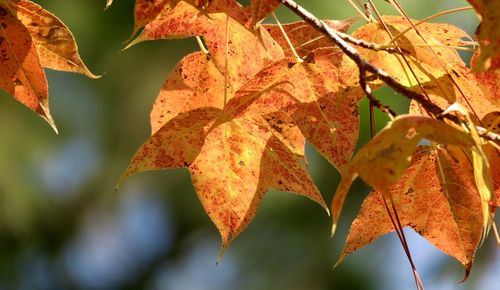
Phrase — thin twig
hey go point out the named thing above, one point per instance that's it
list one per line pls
(368, 92)
(354, 55)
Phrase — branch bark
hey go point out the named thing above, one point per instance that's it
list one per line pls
(364, 65)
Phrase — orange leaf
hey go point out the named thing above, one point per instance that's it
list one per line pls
(21, 74)
(238, 163)
(390, 151)
(437, 197)
(55, 44)
(233, 162)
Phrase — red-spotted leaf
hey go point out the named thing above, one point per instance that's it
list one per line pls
(238, 163)
(233, 162)
(32, 38)
(390, 151)
(21, 74)
(436, 196)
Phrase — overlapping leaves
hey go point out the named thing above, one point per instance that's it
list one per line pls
(238, 117)
(31, 39)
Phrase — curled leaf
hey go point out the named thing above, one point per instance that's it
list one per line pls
(55, 44)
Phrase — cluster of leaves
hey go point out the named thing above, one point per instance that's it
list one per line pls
(31, 38)
(237, 113)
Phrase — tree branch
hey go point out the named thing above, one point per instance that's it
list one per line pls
(364, 65)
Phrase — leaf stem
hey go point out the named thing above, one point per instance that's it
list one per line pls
(203, 49)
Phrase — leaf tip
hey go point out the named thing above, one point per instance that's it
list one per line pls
(45, 114)
(223, 249)
(339, 261)
(132, 43)
(468, 267)
(334, 228)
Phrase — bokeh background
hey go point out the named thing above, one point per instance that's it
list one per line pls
(62, 226)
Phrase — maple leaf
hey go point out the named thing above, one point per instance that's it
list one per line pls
(303, 36)
(233, 163)
(488, 34)
(32, 38)
(21, 74)
(319, 95)
(436, 196)
(390, 152)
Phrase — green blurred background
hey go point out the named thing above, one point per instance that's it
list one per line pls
(63, 227)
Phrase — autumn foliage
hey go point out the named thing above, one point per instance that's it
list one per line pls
(237, 113)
